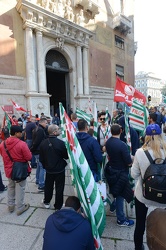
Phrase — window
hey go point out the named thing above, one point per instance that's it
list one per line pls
(119, 42)
(120, 72)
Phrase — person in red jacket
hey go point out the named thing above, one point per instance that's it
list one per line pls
(20, 152)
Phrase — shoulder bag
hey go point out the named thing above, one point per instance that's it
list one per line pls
(19, 169)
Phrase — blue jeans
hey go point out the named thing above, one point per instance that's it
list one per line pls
(118, 204)
(40, 173)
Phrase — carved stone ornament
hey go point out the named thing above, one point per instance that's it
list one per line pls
(59, 42)
(69, 15)
(40, 106)
(52, 25)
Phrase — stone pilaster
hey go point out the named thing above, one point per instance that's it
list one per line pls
(85, 71)
(30, 62)
(79, 71)
(41, 72)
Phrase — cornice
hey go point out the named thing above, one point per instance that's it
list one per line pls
(37, 18)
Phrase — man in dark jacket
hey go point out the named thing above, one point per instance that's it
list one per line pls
(90, 148)
(30, 126)
(38, 136)
(116, 173)
(52, 155)
(68, 229)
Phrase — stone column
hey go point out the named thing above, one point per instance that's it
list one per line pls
(30, 62)
(41, 71)
(86, 71)
(79, 71)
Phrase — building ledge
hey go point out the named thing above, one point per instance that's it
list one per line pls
(122, 24)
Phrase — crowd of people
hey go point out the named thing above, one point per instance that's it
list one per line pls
(37, 140)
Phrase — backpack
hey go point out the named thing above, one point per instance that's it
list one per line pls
(154, 181)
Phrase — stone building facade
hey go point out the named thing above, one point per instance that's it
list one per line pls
(65, 51)
(150, 85)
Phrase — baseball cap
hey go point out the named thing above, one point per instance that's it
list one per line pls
(153, 129)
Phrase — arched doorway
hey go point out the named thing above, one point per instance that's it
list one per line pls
(57, 76)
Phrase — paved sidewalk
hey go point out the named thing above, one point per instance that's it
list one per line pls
(25, 232)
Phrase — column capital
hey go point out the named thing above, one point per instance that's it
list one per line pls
(39, 32)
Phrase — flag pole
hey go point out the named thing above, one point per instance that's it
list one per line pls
(112, 109)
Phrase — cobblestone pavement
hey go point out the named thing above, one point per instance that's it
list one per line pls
(25, 232)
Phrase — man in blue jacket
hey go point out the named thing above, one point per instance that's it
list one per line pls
(116, 173)
(90, 148)
(68, 229)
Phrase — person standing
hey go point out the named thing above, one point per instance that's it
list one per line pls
(156, 146)
(68, 229)
(74, 120)
(90, 148)
(135, 144)
(103, 132)
(38, 136)
(20, 152)
(52, 155)
(115, 117)
(56, 120)
(30, 126)
(116, 173)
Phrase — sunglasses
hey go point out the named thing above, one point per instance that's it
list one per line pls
(102, 119)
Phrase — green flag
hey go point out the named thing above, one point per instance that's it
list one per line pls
(83, 115)
(83, 180)
(138, 117)
(95, 124)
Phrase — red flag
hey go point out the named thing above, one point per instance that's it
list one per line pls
(127, 93)
(7, 118)
(17, 107)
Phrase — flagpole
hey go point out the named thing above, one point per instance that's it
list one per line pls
(112, 110)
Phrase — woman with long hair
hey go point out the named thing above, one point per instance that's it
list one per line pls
(156, 146)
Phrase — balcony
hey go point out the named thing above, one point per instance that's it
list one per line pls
(122, 24)
(88, 5)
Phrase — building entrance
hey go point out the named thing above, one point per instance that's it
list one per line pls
(57, 80)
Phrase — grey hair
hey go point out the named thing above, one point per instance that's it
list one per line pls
(52, 128)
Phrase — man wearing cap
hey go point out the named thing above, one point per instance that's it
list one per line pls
(156, 146)
(20, 152)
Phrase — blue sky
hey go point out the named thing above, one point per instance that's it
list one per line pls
(150, 33)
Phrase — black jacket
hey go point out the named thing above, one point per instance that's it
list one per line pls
(52, 155)
(38, 135)
(118, 181)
